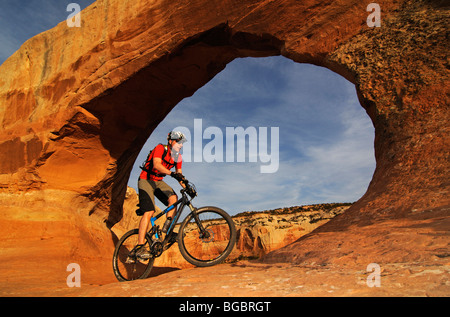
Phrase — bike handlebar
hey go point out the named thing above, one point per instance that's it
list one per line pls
(189, 189)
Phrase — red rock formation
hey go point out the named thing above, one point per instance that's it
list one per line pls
(77, 104)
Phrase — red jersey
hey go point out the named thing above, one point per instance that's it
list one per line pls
(167, 161)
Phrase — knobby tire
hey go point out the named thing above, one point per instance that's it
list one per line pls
(211, 250)
(130, 271)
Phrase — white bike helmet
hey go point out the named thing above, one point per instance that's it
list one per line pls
(177, 136)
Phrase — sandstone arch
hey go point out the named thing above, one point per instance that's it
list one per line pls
(79, 103)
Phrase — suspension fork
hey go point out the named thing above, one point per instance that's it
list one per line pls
(202, 231)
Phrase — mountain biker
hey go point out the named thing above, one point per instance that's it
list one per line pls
(159, 162)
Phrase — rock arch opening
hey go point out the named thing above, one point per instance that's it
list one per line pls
(324, 142)
(136, 107)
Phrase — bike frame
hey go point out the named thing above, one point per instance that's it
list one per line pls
(183, 202)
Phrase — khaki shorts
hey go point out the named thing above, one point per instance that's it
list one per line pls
(148, 189)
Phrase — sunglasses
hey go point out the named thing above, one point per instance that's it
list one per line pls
(180, 141)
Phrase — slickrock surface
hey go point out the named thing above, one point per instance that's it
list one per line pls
(77, 105)
(248, 279)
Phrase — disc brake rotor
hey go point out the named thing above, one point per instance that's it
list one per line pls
(208, 236)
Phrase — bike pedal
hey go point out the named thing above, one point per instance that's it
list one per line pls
(142, 260)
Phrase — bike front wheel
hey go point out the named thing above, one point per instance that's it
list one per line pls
(207, 236)
(126, 265)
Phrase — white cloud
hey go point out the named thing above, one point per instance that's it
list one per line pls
(341, 171)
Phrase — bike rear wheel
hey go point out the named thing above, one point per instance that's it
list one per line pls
(126, 266)
(210, 241)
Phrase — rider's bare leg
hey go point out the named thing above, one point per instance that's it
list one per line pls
(172, 200)
(143, 226)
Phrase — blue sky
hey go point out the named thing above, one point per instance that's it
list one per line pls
(325, 137)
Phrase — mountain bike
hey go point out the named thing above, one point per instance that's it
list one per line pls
(205, 238)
